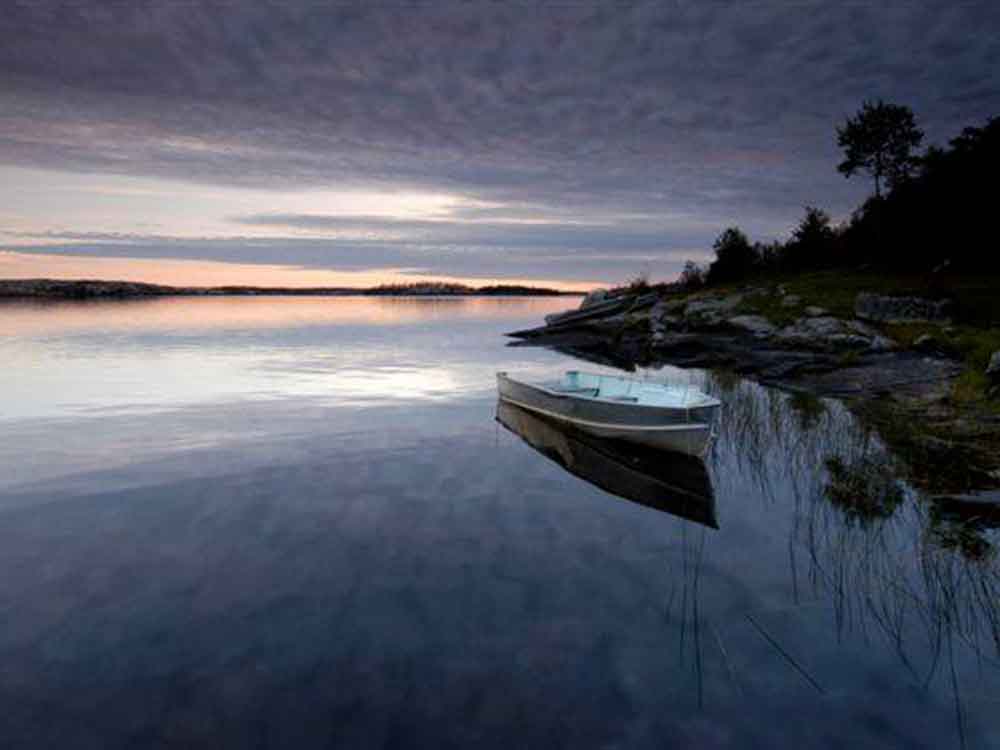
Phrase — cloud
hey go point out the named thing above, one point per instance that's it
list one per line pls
(554, 261)
(704, 114)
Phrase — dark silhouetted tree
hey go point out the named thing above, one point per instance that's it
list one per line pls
(735, 257)
(880, 140)
(692, 276)
(945, 212)
(811, 244)
(769, 254)
(814, 227)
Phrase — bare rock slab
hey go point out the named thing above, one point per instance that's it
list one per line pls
(756, 324)
(887, 309)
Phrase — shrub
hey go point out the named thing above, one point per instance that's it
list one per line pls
(735, 257)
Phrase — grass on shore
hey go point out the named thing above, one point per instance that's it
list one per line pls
(972, 337)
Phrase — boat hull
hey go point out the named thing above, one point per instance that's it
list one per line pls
(683, 430)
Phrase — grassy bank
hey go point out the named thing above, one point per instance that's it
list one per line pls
(972, 336)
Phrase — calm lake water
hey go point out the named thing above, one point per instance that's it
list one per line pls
(295, 522)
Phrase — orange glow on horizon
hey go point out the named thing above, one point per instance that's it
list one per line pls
(177, 272)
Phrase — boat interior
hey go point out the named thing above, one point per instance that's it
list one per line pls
(629, 390)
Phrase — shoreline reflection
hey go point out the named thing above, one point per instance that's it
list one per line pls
(22, 318)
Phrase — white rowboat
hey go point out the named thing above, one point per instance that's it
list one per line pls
(672, 417)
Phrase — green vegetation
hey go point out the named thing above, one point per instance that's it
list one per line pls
(971, 338)
(864, 489)
(936, 458)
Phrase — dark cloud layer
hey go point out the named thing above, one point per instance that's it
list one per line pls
(718, 112)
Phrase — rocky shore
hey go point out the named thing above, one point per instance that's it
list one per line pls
(902, 388)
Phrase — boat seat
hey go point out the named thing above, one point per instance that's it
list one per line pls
(615, 389)
(576, 391)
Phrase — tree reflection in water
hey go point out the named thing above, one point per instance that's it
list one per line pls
(905, 581)
(885, 556)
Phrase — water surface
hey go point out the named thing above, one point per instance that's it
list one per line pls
(295, 522)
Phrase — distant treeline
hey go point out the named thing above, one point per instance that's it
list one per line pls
(938, 211)
(448, 288)
(100, 289)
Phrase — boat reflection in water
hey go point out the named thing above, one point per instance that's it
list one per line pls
(668, 481)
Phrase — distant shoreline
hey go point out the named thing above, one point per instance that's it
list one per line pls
(91, 289)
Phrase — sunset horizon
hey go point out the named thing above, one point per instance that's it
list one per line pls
(570, 145)
(499, 374)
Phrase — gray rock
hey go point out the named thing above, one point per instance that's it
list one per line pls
(706, 320)
(611, 323)
(993, 368)
(791, 300)
(847, 341)
(711, 312)
(666, 323)
(755, 324)
(826, 332)
(593, 297)
(713, 305)
(664, 318)
(935, 346)
(666, 309)
(821, 326)
(882, 344)
(993, 373)
(886, 309)
(861, 329)
(816, 312)
(929, 344)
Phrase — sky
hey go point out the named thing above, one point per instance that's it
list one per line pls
(570, 144)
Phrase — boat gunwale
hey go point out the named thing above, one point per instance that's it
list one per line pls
(711, 401)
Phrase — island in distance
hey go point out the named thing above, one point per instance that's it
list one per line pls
(95, 289)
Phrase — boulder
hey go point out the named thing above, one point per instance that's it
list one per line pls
(887, 309)
(593, 297)
(791, 300)
(861, 328)
(667, 308)
(993, 373)
(706, 305)
(882, 344)
(758, 325)
(825, 332)
(665, 324)
(932, 345)
(711, 311)
(816, 312)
